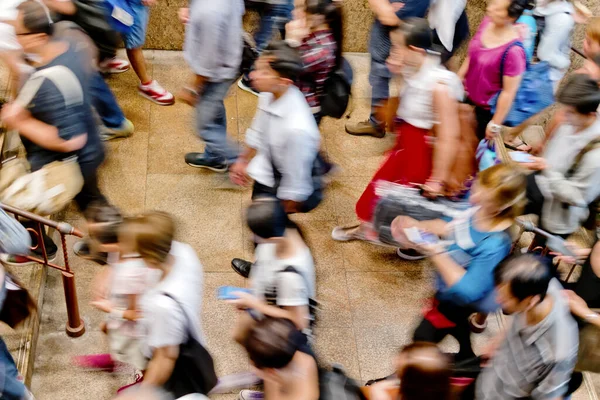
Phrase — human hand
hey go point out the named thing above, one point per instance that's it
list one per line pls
(12, 114)
(580, 253)
(296, 30)
(103, 305)
(148, 3)
(577, 305)
(388, 16)
(184, 15)
(536, 164)
(244, 301)
(489, 350)
(380, 390)
(75, 143)
(238, 174)
(397, 228)
(132, 315)
(432, 188)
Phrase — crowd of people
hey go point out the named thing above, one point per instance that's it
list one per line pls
(460, 213)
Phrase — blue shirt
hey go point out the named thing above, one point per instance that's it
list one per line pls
(380, 44)
(479, 253)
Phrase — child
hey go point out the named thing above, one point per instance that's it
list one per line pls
(117, 291)
(134, 40)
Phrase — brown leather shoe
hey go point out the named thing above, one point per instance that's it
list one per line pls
(365, 128)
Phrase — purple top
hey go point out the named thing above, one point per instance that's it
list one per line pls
(483, 80)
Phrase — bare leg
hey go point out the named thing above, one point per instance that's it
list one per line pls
(138, 62)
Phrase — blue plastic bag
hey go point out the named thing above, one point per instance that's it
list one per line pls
(120, 15)
(534, 95)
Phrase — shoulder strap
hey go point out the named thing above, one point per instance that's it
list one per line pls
(292, 269)
(62, 77)
(592, 145)
(187, 319)
(513, 44)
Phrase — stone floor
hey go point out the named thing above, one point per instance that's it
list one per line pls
(371, 299)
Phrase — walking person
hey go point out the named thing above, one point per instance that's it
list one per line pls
(283, 141)
(212, 27)
(388, 14)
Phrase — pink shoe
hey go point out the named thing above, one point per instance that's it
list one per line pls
(113, 66)
(156, 93)
(138, 379)
(96, 362)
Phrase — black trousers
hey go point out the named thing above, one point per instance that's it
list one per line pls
(426, 332)
(260, 190)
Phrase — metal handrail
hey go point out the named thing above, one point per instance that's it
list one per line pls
(75, 325)
(578, 52)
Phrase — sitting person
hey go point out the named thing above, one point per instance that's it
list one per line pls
(424, 374)
(283, 359)
(567, 177)
(465, 269)
(428, 100)
(535, 357)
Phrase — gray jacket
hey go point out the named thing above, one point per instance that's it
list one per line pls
(566, 199)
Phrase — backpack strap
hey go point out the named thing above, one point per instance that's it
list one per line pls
(62, 77)
(505, 55)
(592, 145)
(189, 323)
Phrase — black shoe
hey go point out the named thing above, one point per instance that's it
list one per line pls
(246, 86)
(242, 267)
(198, 160)
(82, 249)
(410, 254)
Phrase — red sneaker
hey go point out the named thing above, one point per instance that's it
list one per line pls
(96, 362)
(156, 93)
(113, 66)
(138, 379)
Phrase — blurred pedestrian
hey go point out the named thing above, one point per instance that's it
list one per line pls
(388, 14)
(212, 27)
(535, 357)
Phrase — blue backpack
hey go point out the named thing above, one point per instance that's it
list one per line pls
(534, 95)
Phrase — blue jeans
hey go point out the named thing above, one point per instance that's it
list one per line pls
(379, 79)
(272, 16)
(105, 103)
(10, 387)
(211, 122)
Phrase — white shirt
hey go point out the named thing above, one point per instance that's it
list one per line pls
(416, 95)
(443, 16)
(293, 289)
(286, 129)
(164, 320)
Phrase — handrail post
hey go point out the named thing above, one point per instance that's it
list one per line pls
(75, 325)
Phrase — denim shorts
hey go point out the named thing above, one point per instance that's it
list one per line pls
(137, 36)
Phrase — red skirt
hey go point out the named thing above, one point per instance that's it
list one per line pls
(410, 161)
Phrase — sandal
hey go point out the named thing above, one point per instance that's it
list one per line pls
(347, 233)
(518, 145)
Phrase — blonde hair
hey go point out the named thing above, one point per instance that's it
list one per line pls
(151, 233)
(507, 184)
(593, 29)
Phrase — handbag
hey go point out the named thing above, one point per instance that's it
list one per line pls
(337, 91)
(18, 304)
(194, 370)
(535, 92)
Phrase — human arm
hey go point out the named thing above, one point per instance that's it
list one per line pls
(580, 308)
(447, 140)
(254, 138)
(384, 12)
(510, 85)
(557, 31)
(296, 313)
(436, 226)
(464, 68)
(64, 7)
(184, 15)
(300, 152)
(471, 284)
(16, 117)
(161, 366)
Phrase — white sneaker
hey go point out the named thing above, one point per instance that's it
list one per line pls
(113, 66)
(251, 395)
(156, 93)
(125, 130)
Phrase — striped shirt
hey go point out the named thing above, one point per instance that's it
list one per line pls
(318, 51)
(534, 362)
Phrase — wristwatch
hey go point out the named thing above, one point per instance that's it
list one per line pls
(494, 127)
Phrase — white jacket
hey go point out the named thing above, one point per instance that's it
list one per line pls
(443, 16)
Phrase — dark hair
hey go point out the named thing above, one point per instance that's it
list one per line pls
(266, 218)
(110, 216)
(417, 33)
(36, 17)
(517, 7)
(580, 92)
(272, 342)
(335, 19)
(426, 374)
(287, 61)
(526, 275)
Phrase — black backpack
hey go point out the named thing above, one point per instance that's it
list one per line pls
(337, 90)
(249, 53)
(334, 384)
